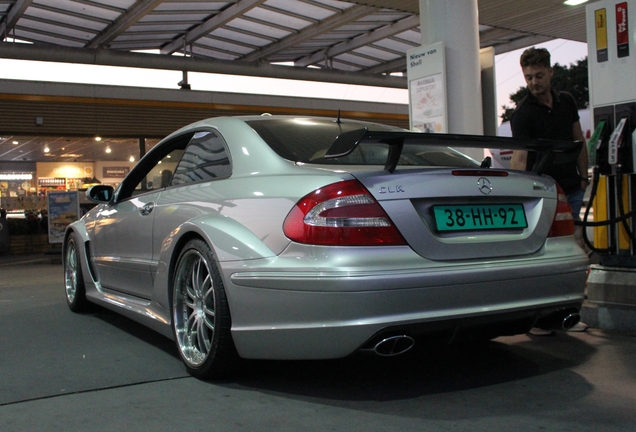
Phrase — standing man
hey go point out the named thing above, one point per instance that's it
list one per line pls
(549, 114)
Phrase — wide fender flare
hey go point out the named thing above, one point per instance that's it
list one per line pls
(79, 229)
(228, 239)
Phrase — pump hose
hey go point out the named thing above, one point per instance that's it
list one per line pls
(621, 219)
(621, 208)
(585, 223)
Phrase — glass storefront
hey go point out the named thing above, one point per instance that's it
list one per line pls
(18, 186)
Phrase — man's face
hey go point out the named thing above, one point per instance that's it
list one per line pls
(538, 79)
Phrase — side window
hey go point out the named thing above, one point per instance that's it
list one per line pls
(160, 175)
(155, 170)
(205, 158)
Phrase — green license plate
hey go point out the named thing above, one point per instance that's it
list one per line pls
(479, 217)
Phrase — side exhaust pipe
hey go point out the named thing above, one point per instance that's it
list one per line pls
(570, 321)
(394, 345)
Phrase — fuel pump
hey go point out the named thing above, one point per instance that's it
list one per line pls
(611, 285)
(613, 173)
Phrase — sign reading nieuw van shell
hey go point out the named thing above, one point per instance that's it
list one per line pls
(115, 172)
(426, 74)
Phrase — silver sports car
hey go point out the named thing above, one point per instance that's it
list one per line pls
(272, 237)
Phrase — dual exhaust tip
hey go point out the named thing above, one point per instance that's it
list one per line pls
(396, 345)
(570, 320)
(564, 320)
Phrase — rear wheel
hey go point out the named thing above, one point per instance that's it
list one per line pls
(73, 278)
(200, 314)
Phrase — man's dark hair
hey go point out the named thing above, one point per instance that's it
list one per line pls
(535, 57)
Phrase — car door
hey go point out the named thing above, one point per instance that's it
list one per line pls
(123, 245)
(123, 240)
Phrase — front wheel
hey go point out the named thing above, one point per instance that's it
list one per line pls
(200, 314)
(73, 278)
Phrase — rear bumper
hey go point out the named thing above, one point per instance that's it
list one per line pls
(319, 314)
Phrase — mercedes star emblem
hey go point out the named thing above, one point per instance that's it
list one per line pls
(484, 185)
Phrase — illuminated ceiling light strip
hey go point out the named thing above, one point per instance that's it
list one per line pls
(574, 2)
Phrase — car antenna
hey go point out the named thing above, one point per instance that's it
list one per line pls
(338, 119)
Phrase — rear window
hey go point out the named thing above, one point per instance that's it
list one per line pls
(307, 140)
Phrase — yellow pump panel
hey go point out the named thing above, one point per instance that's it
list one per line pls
(601, 233)
(624, 241)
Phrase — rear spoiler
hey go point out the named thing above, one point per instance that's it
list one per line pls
(547, 150)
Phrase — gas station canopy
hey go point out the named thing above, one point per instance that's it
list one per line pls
(370, 36)
(354, 42)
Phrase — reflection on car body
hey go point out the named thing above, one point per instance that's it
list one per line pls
(313, 238)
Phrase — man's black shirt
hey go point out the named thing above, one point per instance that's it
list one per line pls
(533, 119)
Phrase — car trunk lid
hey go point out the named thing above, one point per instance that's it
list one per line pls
(458, 214)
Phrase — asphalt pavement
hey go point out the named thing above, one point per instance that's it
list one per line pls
(61, 371)
(7, 259)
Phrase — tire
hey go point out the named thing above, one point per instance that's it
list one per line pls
(74, 286)
(201, 319)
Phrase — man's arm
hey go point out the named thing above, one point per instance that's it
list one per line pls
(520, 126)
(519, 160)
(582, 160)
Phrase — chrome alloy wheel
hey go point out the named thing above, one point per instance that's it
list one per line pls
(194, 311)
(71, 265)
(74, 286)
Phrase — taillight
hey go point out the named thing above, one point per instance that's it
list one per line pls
(341, 214)
(563, 224)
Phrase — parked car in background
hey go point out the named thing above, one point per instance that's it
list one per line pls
(271, 237)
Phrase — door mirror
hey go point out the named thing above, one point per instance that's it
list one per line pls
(100, 193)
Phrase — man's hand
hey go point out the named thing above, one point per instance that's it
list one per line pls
(519, 160)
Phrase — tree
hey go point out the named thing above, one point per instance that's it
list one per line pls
(572, 79)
